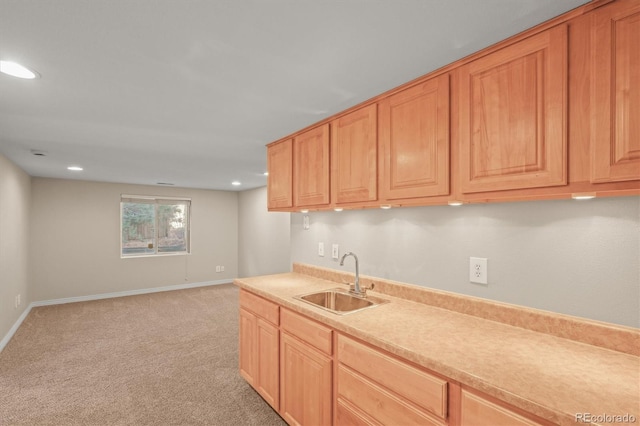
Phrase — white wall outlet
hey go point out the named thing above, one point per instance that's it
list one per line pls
(305, 222)
(320, 249)
(19, 301)
(222, 268)
(478, 270)
(218, 268)
(335, 251)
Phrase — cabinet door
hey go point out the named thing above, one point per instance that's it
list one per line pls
(311, 167)
(513, 116)
(267, 362)
(354, 157)
(279, 166)
(615, 146)
(248, 362)
(414, 141)
(306, 383)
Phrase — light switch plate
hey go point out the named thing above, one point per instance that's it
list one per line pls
(305, 222)
(335, 252)
(320, 249)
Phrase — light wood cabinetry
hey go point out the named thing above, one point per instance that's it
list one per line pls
(354, 171)
(306, 371)
(380, 389)
(311, 167)
(313, 375)
(259, 346)
(478, 411)
(280, 179)
(513, 116)
(615, 143)
(414, 141)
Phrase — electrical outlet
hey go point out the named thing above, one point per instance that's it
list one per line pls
(320, 249)
(19, 301)
(218, 268)
(478, 270)
(335, 252)
(305, 222)
(222, 268)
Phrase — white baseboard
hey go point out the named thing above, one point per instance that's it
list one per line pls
(18, 323)
(15, 327)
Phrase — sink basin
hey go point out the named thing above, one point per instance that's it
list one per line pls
(339, 301)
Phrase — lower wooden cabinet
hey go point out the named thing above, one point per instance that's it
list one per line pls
(259, 347)
(289, 359)
(305, 383)
(389, 390)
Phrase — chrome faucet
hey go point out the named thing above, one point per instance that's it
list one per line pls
(356, 288)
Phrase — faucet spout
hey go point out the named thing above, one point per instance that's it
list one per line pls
(356, 287)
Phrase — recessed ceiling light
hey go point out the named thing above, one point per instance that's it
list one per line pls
(17, 70)
(39, 153)
(236, 183)
(75, 168)
(165, 183)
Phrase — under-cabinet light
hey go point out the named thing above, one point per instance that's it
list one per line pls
(455, 203)
(338, 209)
(385, 206)
(304, 211)
(583, 195)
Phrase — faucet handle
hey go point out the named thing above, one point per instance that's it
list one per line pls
(364, 289)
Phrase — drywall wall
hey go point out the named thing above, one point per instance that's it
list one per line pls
(263, 237)
(15, 198)
(75, 240)
(574, 257)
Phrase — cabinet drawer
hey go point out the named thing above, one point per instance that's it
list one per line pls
(261, 307)
(377, 402)
(417, 386)
(477, 411)
(307, 330)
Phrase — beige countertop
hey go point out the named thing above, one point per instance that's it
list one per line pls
(552, 377)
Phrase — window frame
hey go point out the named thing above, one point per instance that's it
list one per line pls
(157, 201)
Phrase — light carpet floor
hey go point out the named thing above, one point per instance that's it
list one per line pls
(167, 358)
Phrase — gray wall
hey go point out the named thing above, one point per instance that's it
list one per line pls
(575, 257)
(263, 237)
(75, 240)
(15, 201)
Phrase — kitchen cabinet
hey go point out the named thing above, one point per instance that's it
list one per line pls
(306, 371)
(375, 388)
(414, 141)
(476, 410)
(259, 346)
(513, 115)
(311, 167)
(354, 157)
(615, 143)
(280, 179)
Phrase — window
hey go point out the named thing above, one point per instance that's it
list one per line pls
(154, 226)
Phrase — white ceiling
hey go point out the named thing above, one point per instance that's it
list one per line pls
(190, 92)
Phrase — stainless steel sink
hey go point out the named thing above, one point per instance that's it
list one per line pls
(340, 301)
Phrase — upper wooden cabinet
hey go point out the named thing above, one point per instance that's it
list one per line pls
(279, 165)
(414, 141)
(354, 156)
(513, 116)
(615, 143)
(311, 167)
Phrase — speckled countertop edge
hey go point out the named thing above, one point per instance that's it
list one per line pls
(552, 377)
